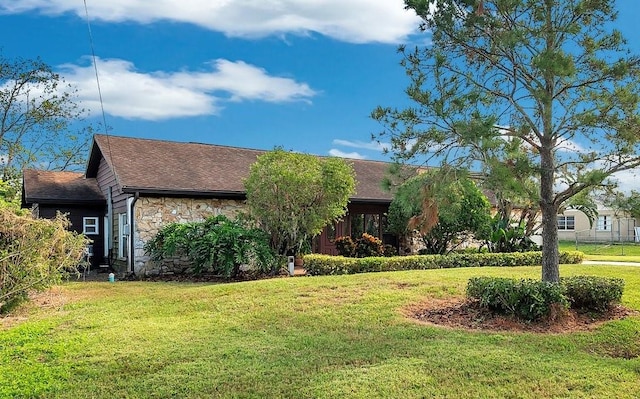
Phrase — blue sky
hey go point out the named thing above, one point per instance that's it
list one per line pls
(303, 74)
(297, 73)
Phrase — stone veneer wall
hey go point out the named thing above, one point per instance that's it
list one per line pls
(151, 214)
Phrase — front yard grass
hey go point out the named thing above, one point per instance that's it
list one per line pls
(318, 337)
(623, 252)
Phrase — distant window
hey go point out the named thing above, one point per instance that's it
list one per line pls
(369, 223)
(566, 222)
(357, 224)
(123, 235)
(372, 224)
(90, 226)
(604, 223)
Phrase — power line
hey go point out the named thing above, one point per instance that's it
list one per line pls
(95, 67)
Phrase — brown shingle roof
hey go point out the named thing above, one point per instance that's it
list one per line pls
(157, 166)
(45, 186)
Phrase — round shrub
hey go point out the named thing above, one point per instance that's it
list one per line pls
(525, 298)
(592, 292)
(345, 246)
(368, 245)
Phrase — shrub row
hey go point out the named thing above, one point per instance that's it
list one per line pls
(532, 299)
(332, 265)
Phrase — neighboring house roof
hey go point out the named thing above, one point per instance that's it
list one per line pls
(45, 186)
(177, 168)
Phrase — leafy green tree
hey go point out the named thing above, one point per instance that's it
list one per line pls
(508, 176)
(294, 196)
(40, 122)
(445, 208)
(627, 204)
(553, 76)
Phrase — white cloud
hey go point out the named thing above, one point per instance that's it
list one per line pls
(627, 180)
(572, 146)
(354, 21)
(341, 154)
(128, 93)
(371, 145)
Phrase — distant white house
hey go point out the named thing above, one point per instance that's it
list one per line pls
(610, 226)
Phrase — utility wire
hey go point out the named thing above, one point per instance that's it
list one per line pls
(95, 67)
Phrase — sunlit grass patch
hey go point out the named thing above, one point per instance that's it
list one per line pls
(315, 337)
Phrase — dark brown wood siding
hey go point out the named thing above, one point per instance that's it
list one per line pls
(107, 179)
(76, 215)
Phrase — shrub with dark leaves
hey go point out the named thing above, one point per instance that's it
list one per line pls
(525, 298)
(592, 292)
(345, 246)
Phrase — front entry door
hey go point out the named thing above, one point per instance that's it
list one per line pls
(328, 238)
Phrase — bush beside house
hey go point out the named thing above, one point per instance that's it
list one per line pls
(34, 254)
(216, 245)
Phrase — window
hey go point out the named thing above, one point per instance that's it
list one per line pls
(357, 225)
(123, 235)
(90, 225)
(604, 223)
(369, 223)
(566, 222)
(372, 224)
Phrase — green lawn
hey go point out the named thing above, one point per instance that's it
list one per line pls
(316, 337)
(616, 252)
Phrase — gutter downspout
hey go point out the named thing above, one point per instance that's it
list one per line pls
(108, 251)
(131, 201)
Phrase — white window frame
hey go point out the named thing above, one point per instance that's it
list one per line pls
(123, 235)
(91, 225)
(562, 223)
(604, 223)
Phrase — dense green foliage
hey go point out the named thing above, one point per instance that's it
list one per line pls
(592, 292)
(626, 204)
(531, 300)
(294, 196)
(363, 246)
(333, 265)
(507, 235)
(34, 255)
(509, 87)
(524, 298)
(216, 245)
(444, 206)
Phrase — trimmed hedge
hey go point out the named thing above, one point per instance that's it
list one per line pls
(533, 299)
(331, 265)
(525, 298)
(593, 293)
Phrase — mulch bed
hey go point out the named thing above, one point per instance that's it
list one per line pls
(468, 315)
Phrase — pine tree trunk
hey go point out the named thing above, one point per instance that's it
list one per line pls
(549, 209)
